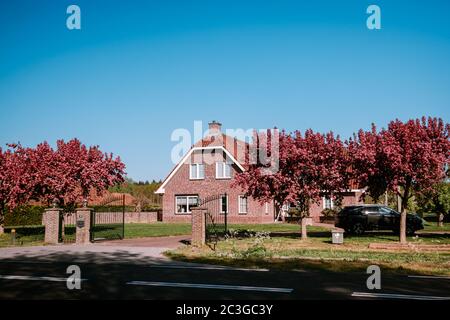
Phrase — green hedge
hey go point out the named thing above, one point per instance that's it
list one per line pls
(151, 208)
(24, 216)
(113, 208)
(26, 230)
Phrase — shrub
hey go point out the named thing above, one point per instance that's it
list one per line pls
(329, 213)
(113, 208)
(151, 208)
(26, 215)
(244, 233)
(26, 230)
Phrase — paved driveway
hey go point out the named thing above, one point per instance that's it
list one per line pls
(119, 250)
(153, 242)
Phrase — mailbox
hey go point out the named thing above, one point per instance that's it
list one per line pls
(80, 223)
(337, 236)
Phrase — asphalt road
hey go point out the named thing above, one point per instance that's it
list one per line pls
(122, 273)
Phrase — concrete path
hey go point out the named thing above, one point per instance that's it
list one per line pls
(127, 250)
(171, 242)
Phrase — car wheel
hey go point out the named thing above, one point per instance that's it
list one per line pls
(358, 228)
(410, 231)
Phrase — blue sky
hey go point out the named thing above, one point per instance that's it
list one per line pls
(137, 70)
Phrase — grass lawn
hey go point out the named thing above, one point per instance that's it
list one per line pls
(161, 229)
(158, 229)
(433, 227)
(26, 236)
(286, 250)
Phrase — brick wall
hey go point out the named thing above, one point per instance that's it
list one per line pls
(51, 222)
(108, 217)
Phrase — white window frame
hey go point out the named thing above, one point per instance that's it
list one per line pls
(239, 204)
(188, 211)
(223, 164)
(221, 199)
(266, 209)
(324, 199)
(197, 170)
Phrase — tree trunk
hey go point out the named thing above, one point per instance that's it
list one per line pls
(304, 231)
(2, 229)
(404, 206)
(440, 220)
(2, 218)
(403, 225)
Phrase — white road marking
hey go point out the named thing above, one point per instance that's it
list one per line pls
(33, 278)
(430, 277)
(171, 266)
(209, 286)
(396, 296)
(25, 262)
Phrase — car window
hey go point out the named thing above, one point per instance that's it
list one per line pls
(370, 210)
(348, 210)
(385, 211)
(354, 210)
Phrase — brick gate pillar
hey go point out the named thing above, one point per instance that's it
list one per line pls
(51, 222)
(83, 225)
(198, 227)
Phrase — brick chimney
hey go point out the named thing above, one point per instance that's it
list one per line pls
(214, 128)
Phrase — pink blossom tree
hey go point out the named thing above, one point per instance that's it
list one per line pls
(277, 187)
(74, 171)
(69, 173)
(406, 158)
(309, 166)
(16, 181)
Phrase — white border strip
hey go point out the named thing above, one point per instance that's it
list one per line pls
(396, 296)
(222, 268)
(209, 286)
(430, 277)
(33, 278)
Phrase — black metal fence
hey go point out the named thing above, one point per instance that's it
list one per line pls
(215, 216)
(67, 227)
(108, 225)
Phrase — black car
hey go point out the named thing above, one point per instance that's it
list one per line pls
(359, 218)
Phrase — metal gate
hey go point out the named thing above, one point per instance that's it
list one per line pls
(108, 219)
(67, 228)
(215, 216)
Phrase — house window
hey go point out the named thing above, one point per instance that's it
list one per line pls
(197, 171)
(224, 204)
(243, 204)
(223, 170)
(184, 204)
(327, 202)
(267, 208)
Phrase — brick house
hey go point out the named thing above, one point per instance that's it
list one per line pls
(208, 169)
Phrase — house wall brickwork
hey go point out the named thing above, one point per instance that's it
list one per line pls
(181, 185)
